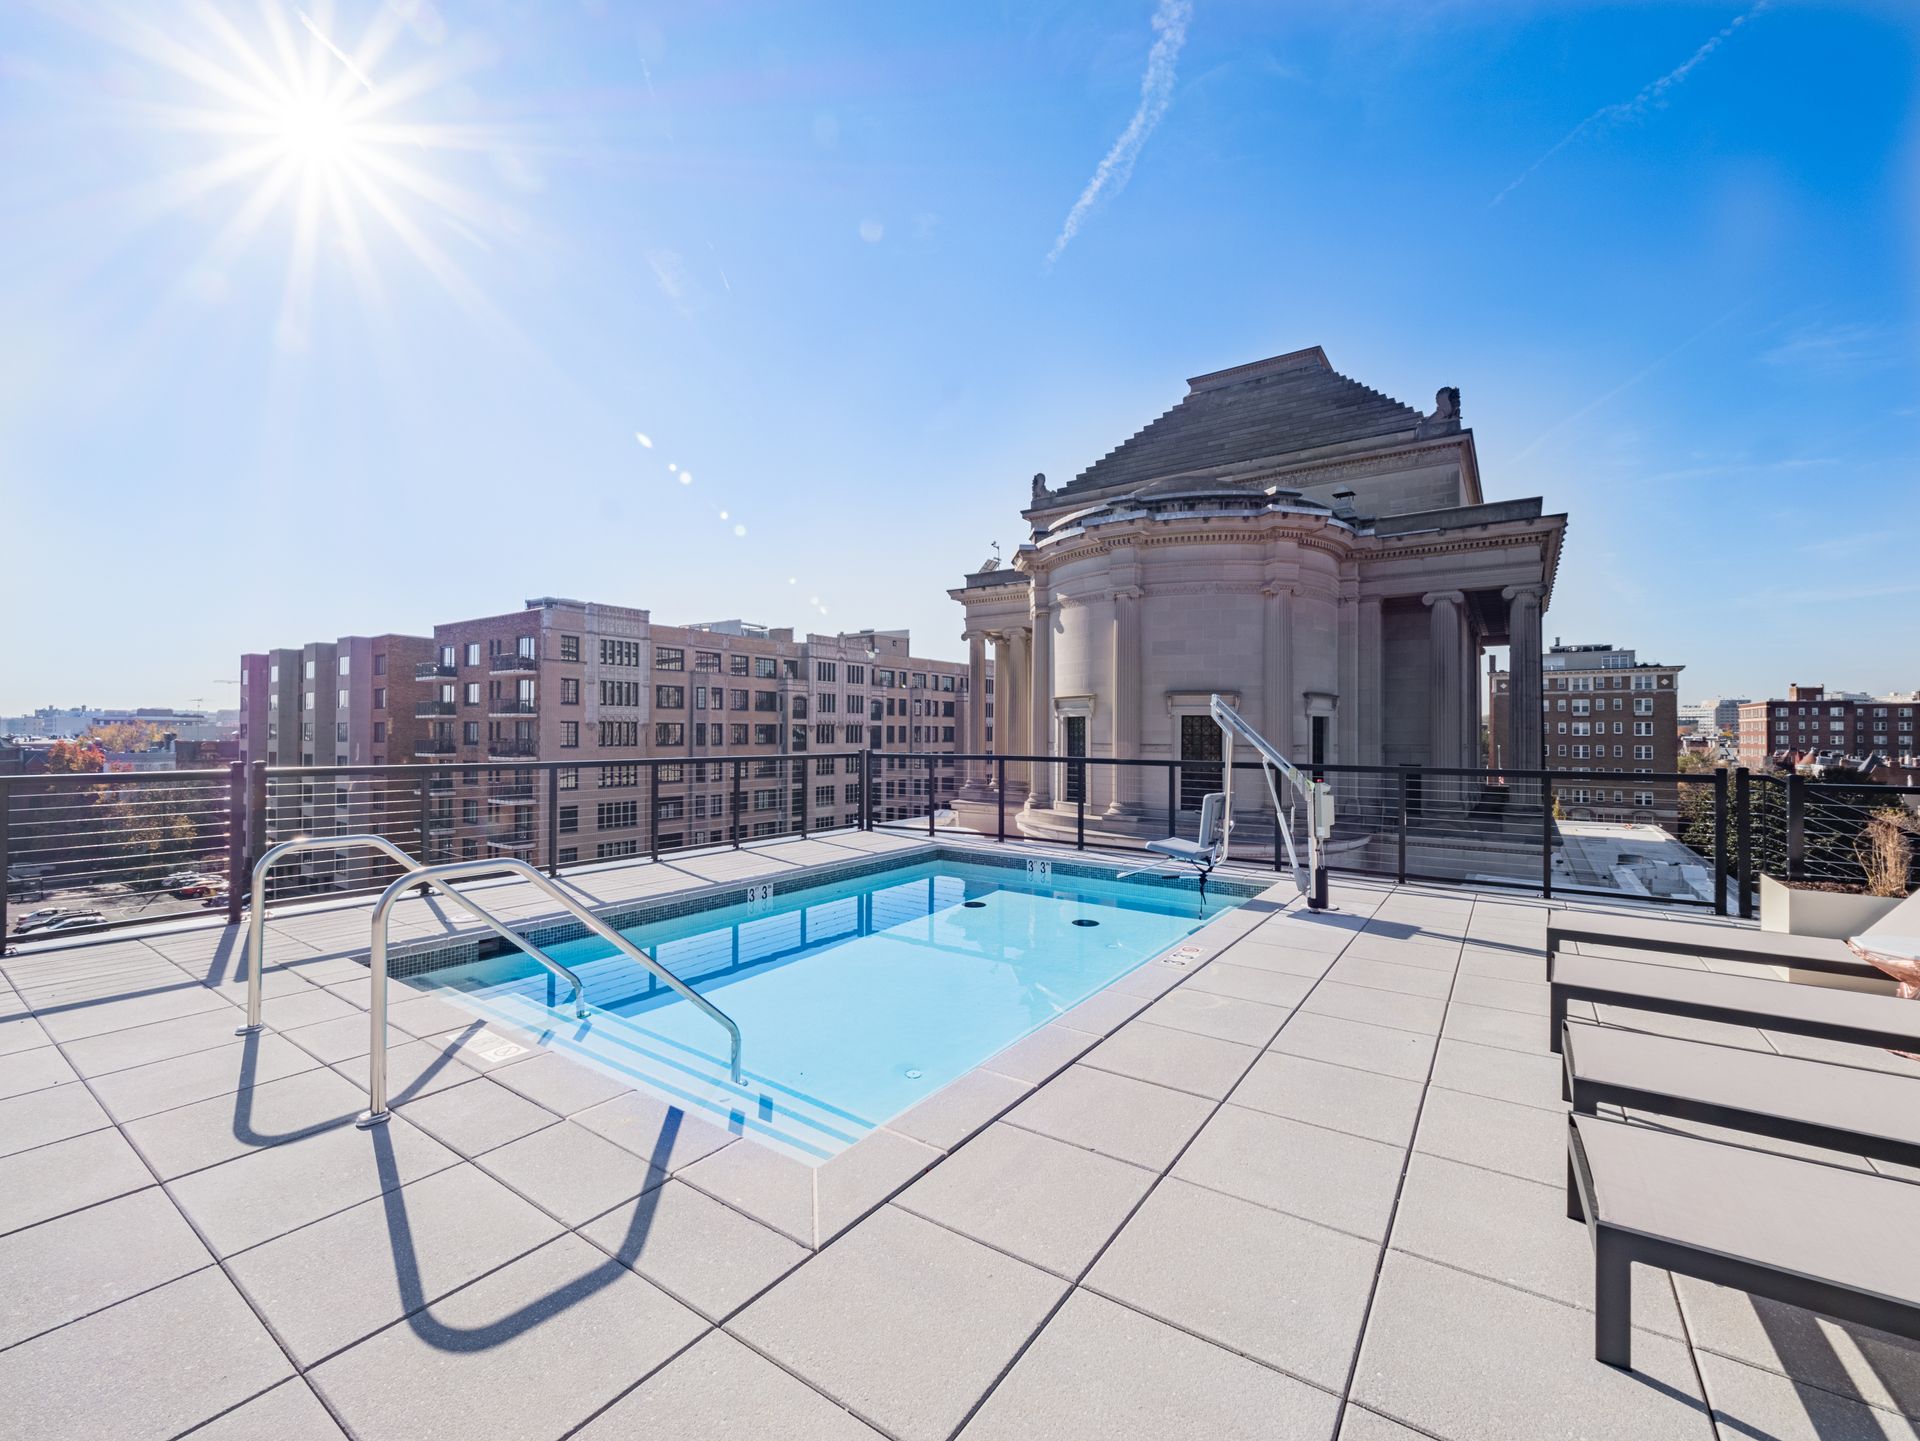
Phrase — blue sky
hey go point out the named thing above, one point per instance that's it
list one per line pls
(804, 250)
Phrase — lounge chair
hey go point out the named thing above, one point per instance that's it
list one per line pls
(1813, 1103)
(1812, 1235)
(1720, 942)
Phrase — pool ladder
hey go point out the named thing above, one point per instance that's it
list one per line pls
(437, 877)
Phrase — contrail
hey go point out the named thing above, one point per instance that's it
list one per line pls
(1156, 94)
(1648, 97)
(338, 53)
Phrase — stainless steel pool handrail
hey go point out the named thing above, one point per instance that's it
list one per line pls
(437, 876)
(257, 924)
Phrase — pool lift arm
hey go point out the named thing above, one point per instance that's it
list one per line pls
(1315, 795)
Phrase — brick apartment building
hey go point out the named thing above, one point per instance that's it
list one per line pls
(595, 689)
(1603, 710)
(1809, 722)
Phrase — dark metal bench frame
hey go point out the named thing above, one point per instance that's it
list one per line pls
(1560, 932)
(1616, 1250)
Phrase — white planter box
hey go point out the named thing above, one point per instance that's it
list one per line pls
(1836, 914)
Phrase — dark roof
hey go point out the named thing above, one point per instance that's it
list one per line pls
(1290, 403)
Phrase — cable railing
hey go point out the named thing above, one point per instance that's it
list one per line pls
(94, 852)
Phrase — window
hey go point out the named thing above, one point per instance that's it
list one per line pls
(570, 691)
(822, 798)
(569, 820)
(824, 670)
(380, 664)
(619, 777)
(473, 652)
(765, 667)
(1643, 753)
(766, 735)
(1580, 707)
(470, 733)
(619, 733)
(736, 735)
(1643, 728)
(616, 850)
(856, 675)
(526, 647)
(828, 703)
(620, 692)
(1643, 799)
(736, 665)
(619, 652)
(1643, 705)
(669, 657)
(766, 701)
(670, 733)
(672, 808)
(379, 697)
(569, 647)
(379, 731)
(472, 694)
(706, 660)
(617, 815)
(569, 854)
(569, 735)
(670, 697)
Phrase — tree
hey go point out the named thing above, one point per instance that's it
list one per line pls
(73, 757)
(135, 735)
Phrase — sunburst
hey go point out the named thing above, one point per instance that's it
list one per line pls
(292, 123)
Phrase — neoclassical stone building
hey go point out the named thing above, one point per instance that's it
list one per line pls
(1314, 550)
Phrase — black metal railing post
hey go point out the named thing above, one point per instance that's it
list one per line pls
(236, 839)
(931, 787)
(1000, 794)
(653, 810)
(1546, 833)
(737, 767)
(1796, 826)
(6, 825)
(1720, 841)
(256, 839)
(1080, 805)
(1400, 840)
(426, 818)
(866, 790)
(553, 820)
(806, 797)
(1173, 799)
(1743, 837)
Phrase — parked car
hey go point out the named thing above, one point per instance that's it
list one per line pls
(199, 886)
(64, 925)
(46, 915)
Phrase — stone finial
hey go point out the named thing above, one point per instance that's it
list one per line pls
(1445, 419)
(1040, 493)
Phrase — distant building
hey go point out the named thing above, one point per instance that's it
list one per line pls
(1609, 714)
(1810, 724)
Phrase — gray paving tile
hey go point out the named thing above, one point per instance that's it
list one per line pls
(1362, 1103)
(1049, 1203)
(773, 1188)
(205, 1133)
(289, 1412)
(66, 1175)
(701, 1252)
(1302, 930)
(1102, 1013)
(1405, 952)
(1489, 1026)
(477, 1116)
(414, 1069)
(1360, 1424)
(1529, 998)
(1184, 1060)
(179, 1354)
(1036, 1057)
(1392, 976)
(327, 1285)
(1857, 1362)
(269, 1192)
(1305, 964)
(904, 1322)
(183, 1080)
(1250, 1023)
(1751, 1402)
(202, 1031)
(1504, 963)
(665, 1136)
(37, 1117)
(1331, 1177)
(956, 1111)
(1459, 1356)
(571, 1171)
(1397, 1009)
(1099, 1370)
(309, 1007)
(1150, 981)
(339, 1039)
(1520, 1140)
(1267, 1285)
(1526, 1080)
(20, 1032)
(180, 998)
(547, 1341)
(1116, 1115)
(24, 1072)
(1516, 1232)
(847, 1186)
(1355, 1043)
(91, 1259)
(719, 1388)
(1250, 983)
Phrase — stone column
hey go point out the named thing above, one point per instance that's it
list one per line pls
(1011, 706)
(1370, 700)
(1040, 708)
(1444, 656)
(979, 778)
(1280, 700)
(1126, 701)
(1524, 690)
(1002, 688)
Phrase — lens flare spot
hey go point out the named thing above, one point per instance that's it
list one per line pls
(644, 439)
(685, 479)
(739, 530)
(673, 465)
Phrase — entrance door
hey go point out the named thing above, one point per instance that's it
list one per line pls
(1073, 740)
(1199, 744)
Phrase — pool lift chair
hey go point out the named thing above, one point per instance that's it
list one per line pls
(1213, 842)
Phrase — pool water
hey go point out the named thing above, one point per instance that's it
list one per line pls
(854, 1001)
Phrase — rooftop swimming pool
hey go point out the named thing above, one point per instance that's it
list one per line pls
(856, 1000)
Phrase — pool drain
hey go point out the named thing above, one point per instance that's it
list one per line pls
(1083, 921)
(973, 905)
(915, 1075)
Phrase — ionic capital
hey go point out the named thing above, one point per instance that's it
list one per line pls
(1450, 597)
